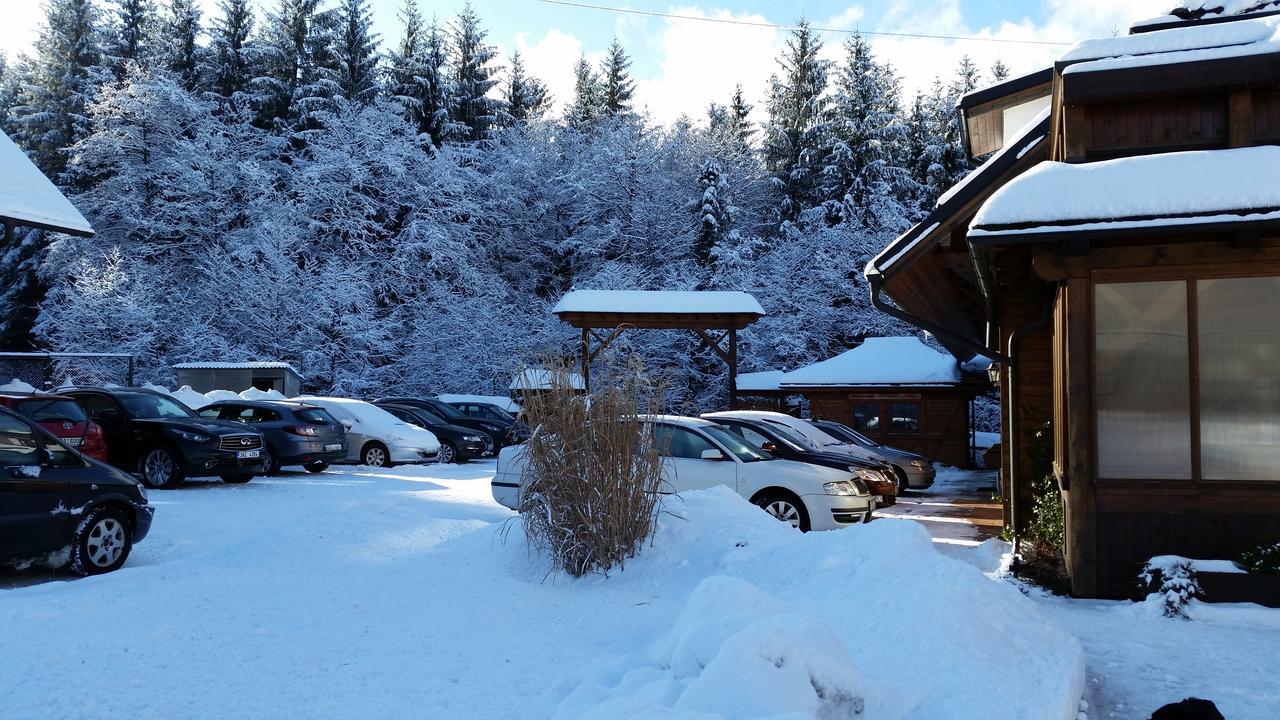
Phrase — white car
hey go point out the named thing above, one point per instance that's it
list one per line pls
(699, 454)
(375, 436)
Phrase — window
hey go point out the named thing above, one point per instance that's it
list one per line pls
(17, 443)
(904, 417)
(51, 410)
(154, 407)
(866, 416)
(315, 415)
(680, 443)
(95, 406)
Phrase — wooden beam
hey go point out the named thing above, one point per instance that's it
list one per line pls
(733, 369)
(603, 344)
(712, 343)
(1240, 117)
(586, 359)
(1081, 499)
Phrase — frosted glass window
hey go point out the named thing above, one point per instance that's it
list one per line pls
(1143, 381)
(1239, 378)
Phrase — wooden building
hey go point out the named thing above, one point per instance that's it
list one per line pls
(1119, 256)
(897, 391)
(237, 376)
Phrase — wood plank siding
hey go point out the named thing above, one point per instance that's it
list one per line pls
(943, 422)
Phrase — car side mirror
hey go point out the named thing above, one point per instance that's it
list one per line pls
(770, 447)
(712, 454)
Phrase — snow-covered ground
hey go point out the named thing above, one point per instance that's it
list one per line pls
(409, 593)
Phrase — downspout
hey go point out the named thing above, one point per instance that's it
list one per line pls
(876, 280)
(986, 286)
(1015, 436)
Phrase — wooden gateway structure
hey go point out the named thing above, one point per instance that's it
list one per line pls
(1119, 256)
(714, 316)
(897, 391)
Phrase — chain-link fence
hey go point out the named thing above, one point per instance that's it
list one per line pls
(47, 371)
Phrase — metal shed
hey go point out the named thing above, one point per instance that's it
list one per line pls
(237, 376)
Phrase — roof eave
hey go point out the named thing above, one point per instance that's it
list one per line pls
(19, 222)
(1060, 232)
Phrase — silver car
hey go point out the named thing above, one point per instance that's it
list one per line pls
(916, 469)
(376, 437)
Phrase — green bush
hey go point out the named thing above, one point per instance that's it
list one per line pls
(1262, 558)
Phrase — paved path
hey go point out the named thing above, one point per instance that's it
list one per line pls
(958, 510)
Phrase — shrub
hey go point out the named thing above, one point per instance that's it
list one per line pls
(593, 470)
(1262, 558)
(1178, 584)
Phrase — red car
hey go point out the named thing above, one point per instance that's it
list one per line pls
(61, 416)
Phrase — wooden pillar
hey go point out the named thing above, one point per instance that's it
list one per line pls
(1240, 117)
(1080, 499)
(733, 369)
(586, 359)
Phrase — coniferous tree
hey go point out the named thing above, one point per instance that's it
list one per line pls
(999, 71)
(799, 118)
(12, 76)
(282, 59)
(231, 67)
(181, 31)
(738, 121)
(527, 97)
(617, 86)
(357, 52)
(588, 96)
(475, 114)
(418, 78)
(714, 214)
(134, 34)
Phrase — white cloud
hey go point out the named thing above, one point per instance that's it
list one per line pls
(552, 59)
(18, 32)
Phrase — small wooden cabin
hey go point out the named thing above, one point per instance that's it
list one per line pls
(237, 376)
(1119, 256)
(897, 391)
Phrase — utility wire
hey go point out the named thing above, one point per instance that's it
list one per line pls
(751, 23)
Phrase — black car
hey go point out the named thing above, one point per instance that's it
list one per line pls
(457, 443)
(778, 441)
(52, 498)
(503, 432)
(295, 433)
(483, 411)
(165, 441)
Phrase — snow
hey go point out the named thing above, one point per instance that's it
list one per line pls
(880, 361)
(658, 301)
(256, 394)
(1172, 188)
(540, 379)
(1177, 45)
(1020, 140)
(394, 593)
(766, 380)
(1165, 562)
(984, 440)
(17, 386)
(1215, 9)
(881, 262)
(265, 365)
(501, 401)
(190, 398)
(27, 196)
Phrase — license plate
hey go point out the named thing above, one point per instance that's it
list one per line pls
(246, 454)
(71, 442)
(332, 446)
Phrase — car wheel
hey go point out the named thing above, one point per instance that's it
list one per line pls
(102, 542)
(785, 507)
(159, 467)
(236, 478)
(375, 455)
(316, 467)
(270, 463)
(448, 453)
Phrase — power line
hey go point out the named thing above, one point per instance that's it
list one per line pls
(751, 23)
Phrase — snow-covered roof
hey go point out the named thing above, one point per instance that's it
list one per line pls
(540, 379)
(1208, 10)
(760, 381)
(1169, 189)
(880, 361)
(272, 365)
(1190, 43)
(29, 199)
(684, 302)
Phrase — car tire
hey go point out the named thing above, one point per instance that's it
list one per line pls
(784, 506)
(160, 467)
(448, 453)
(102, 542)
(316, 467)
(375, 454)
(270, 462)
(236, 478)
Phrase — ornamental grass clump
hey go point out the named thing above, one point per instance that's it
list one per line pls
(593, 469)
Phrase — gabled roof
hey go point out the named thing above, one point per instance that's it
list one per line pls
(29, 199)
(1184, 189)
(267, 365)
(1206, 12)
(879, 361)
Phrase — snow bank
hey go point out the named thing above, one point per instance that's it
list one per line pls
(190, 398)
(880, 361)
(17, 386)
(256, 394)
(820, 625)
(658, 301)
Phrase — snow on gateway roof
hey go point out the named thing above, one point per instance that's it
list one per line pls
(880, 361)
(759, 381)
(236, 366)
(658, 301)
(29, 199)
(1183, 188)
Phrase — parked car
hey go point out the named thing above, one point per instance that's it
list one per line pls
(779, 441)
(61, 416)
(700, 454)
(457, 443)
(916, 468)
(503, 432)
(295, 433)
(52, 498)
(164, 441)
(376, 437)
(483, 411)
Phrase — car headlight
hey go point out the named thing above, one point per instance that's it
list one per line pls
(471, 438)
(919, 464)
(840, 487)
(142, 492)
(189, 436)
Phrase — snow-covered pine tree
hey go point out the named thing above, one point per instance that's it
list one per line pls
(527, 97)
(182, 51)
(357, 52)
(999, 71)
(737, 117)
(588, 96)
(230, 49)
(417, 78)
(134, 35)
(475, 113)
(714, 214)
(283, 62)
(799, 119)
(617, 86)
(13, 73)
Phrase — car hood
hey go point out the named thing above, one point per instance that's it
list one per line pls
(208, 427)
(455, 429)
(861, 462)
(799, 473)
(895, 454)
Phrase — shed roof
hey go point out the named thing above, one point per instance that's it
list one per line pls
(264, 365)
(540, 379)
(1203, 187)
(880, 361)
(766, 381)
(29, 199)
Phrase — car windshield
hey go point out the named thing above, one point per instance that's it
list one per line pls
(51, 410)
(734, 444)
(445, 409)
(496, 412)
(429, 416)
(859, 438)
(154, 407)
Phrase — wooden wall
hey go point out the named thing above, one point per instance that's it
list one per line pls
(944, 419)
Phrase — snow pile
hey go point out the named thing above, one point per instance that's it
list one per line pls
(222, 395)
(1174, 188)
(819, 625)
(27, 196)
(190, 398)
(256, 394)
(17, 386)
(880, 361)
(658, 301)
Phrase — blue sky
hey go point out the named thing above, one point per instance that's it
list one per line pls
(680, 65)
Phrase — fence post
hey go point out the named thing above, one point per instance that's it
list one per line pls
(129, 379)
